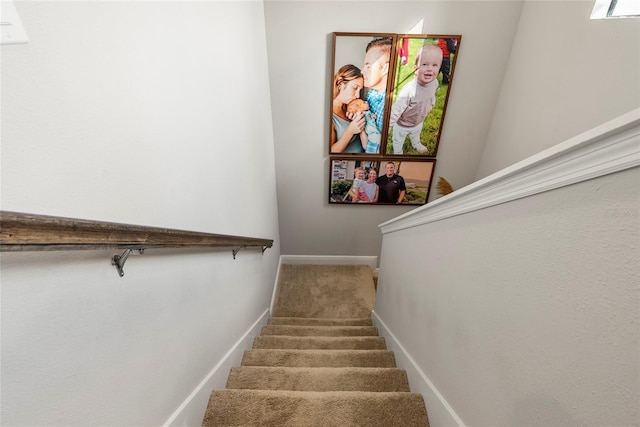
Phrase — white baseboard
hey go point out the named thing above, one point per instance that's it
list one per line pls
(191, 411)
(371, 261)
(275, 288)
(439, 411)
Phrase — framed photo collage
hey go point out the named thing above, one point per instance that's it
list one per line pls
(389, 95)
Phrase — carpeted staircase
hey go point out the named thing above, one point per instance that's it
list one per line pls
(319, 361)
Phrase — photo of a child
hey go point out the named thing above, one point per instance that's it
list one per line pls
(416, 99)
(420, 90)
(385, 181)
(357, 191)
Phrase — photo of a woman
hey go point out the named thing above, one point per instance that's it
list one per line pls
(370, 186)
(361, 180)
(359, 60)
(347, 136)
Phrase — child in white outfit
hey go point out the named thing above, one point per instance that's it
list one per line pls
(416, 99)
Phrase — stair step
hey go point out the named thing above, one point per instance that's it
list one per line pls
(319, 330)
(319, 343)
(316, 321)
(319, 358)
(318, 379)
(319, 362)
(333, 291)
(307, 408)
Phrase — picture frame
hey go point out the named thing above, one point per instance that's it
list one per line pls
(416, 176)
(361, 69)
(419, 94)
(405, 109)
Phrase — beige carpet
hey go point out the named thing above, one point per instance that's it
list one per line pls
(334, 291)
(319, 361)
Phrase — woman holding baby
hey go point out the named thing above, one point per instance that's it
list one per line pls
(347, 136)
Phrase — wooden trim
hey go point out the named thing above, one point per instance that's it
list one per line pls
(30, 232)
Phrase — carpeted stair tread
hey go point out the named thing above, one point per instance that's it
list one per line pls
(324, 291)
(319, 358)
(319, 362)
(315, 409)
(319, 343)
(306, 321)
(318, 379)
(327, 331)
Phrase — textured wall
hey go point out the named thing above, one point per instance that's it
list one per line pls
(134, 112)
(299, 42)
(566, 75)
(528, 312)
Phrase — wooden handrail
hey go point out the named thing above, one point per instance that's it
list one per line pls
(29, 232)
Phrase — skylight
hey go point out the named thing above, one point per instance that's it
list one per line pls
(604, 9)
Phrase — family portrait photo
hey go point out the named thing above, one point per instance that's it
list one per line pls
(389, 92)
(361, 69)
(389, 95)
(380, 182)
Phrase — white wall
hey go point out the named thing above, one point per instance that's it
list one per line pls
(299, 43)
(566, 74)
(151, 113)
(526, 312)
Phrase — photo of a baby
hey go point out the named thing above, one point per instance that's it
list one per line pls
(374, 135)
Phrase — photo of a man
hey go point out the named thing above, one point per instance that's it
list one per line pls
(391, 185)
(364, 181)
(361, 67)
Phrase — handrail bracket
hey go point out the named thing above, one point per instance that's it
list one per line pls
(119, 260)
(235, 251)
